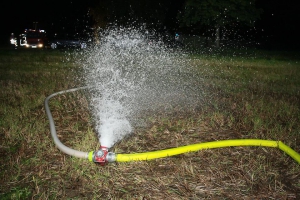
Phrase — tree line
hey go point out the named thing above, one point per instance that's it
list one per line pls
(199, 16)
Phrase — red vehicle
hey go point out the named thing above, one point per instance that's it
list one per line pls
(33, 39)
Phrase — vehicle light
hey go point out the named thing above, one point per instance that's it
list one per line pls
(12, 41)
(40, 45)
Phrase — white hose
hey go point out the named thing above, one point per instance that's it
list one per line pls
(61, 146)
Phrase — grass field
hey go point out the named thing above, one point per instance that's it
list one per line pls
(245, 95)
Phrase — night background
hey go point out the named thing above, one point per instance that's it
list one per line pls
(276, 28)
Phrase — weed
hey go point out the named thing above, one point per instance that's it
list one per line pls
(17, 193)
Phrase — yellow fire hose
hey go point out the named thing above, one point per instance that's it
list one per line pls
(111, 157)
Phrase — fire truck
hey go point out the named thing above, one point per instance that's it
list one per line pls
(32, 39)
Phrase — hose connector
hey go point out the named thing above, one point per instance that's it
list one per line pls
(102, 156)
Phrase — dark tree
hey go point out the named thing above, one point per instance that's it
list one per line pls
(99, 12)
(216, 14)
(153, 13)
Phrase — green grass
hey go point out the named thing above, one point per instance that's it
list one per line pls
(250, 95)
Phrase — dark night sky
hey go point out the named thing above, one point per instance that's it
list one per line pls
(17, 15)
(279, 22)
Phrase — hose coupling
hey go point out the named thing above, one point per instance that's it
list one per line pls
(100, 155)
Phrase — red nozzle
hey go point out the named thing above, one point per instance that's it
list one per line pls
(100, 155)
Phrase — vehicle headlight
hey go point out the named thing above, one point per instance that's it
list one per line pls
(12, 41)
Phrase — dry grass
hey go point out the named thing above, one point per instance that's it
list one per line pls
(246, 107)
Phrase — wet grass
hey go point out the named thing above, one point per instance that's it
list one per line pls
(249, 95)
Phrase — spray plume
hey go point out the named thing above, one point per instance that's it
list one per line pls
(131, 75)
